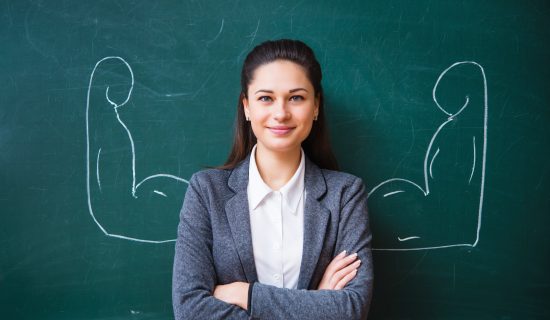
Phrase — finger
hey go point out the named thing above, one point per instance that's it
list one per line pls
(345, 280)
(341, 273)
(343, 262)
(331, 268)
(339, 262)
(345, 271)
(340, 256)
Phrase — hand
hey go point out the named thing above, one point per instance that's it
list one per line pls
(234, 293)
(341, 270)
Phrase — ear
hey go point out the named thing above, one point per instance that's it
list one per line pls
(317, 101)
(246, 107)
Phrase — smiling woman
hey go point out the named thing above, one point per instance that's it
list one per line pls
(306, 71)
(276, 232)
(281, 107)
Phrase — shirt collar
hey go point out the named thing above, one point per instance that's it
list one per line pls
(292, 191)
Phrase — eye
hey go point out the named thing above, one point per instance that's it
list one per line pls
(296, 98)
(264, 99)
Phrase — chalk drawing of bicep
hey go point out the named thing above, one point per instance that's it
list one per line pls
(159, 182)
(419, 195)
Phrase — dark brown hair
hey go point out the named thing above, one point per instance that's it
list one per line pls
(317, 145)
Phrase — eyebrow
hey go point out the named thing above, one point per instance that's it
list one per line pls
(289, 91)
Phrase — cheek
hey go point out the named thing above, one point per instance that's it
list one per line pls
(258, 120)
(258, 115)
(306, 123)
(305, 115)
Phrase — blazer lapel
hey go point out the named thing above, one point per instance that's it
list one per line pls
(316, 218)
(238, 215)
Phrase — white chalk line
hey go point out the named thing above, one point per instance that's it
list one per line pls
(133, 152)
(432, 162)
(427, 186)
(247, 48)
(161, 193)
(427, 248)
(97, 170)
(181, 94)
(408, 238)
(426, 189)
(474, 164)
(253, 34)
(395, 179)
(390, 193)
(484, 156)
(134, 185)
(217, 35)
(162, 175)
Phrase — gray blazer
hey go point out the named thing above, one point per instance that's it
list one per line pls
(214, 246)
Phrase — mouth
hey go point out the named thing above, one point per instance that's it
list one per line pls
(281, 130)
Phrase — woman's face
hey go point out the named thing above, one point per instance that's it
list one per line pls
(281, 106)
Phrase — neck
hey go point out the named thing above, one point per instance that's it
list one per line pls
(277, 168)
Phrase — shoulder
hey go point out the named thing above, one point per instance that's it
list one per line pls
(208, 186)
(211, 182)
(221, 183)
(339, 177)
(343, 185)
(208, 177)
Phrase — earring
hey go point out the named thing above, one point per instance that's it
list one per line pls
(315, 118)
(247, 118)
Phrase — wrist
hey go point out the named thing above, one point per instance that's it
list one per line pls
(243, 295)
(249, 300)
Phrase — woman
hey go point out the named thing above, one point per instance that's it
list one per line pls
(268, 234)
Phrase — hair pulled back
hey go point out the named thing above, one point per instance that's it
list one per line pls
(317, 145)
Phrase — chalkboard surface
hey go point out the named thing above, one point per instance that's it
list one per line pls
(108, 107)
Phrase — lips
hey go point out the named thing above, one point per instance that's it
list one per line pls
(280, 130)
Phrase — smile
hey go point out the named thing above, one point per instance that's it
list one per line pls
(280, 130)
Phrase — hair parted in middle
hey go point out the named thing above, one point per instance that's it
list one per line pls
(317, 145)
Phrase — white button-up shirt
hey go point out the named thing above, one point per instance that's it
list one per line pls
(277, 226)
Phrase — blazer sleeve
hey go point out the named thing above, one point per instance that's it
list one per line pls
(194, 277)
(351, 302)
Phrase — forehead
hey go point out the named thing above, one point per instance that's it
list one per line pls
(280, 75)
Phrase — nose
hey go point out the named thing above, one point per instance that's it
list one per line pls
(280, 111)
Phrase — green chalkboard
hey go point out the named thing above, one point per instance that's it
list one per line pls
(108, 107)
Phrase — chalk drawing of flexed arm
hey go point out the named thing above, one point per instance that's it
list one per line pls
(122, 205)
(444, 209)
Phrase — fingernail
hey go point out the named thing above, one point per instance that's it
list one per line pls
(342, 253)
(358, 262)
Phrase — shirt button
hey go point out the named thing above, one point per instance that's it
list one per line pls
(276, 276)
(276, 246)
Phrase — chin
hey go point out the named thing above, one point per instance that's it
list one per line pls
(281, 146)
